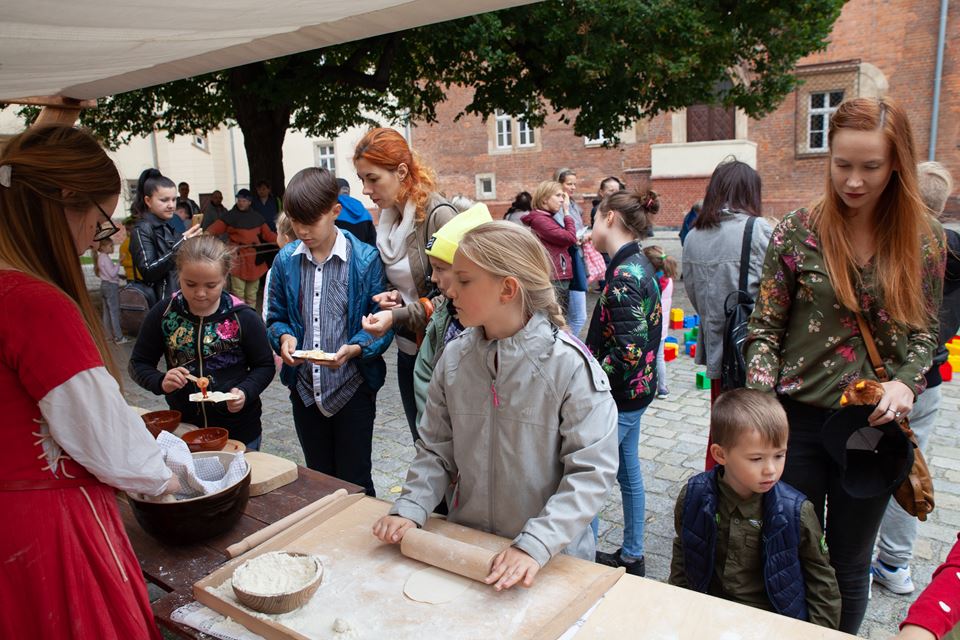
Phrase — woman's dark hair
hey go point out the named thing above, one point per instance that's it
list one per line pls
(619, 182)
(634, 208)
(523, 202)
(148, 183)
(734, 185)
(311, 193)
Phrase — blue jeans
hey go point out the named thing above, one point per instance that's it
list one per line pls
(254, 445)
(631, 482)
(577, 311)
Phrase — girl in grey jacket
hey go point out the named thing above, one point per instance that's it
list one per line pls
(519, 415)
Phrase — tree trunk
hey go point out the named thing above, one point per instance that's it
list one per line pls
(264, 125)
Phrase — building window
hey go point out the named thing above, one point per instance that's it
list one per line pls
(707, 122)
(325, 157)
(596, 140)
(525, 135)
(486, 186)
(822, 106)
(200, 142)
(504, 131)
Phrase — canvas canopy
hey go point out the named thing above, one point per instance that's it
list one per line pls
(86, 49)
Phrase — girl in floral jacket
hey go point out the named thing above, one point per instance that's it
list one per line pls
(624, 336)
(868, 248)
(204, 331)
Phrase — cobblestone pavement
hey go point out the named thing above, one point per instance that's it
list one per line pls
(672, 445)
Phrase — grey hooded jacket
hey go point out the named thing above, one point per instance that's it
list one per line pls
(711, 272)
(527, 430)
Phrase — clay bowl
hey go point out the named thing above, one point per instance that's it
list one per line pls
(158, 421)
(283, 602)
(196, 519)
(209, 439)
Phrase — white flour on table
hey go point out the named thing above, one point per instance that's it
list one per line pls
(275, 573)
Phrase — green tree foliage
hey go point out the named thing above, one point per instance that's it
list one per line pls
(608, 62)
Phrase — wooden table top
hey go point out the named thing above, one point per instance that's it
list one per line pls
(177, 568)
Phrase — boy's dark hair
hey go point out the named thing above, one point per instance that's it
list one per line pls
(738, 410)
(182, 184)
(311, 193)
(263, 183)
(184, 205)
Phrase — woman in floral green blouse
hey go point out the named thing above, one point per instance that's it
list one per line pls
(867, 246)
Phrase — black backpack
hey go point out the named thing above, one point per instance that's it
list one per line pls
(737, 309)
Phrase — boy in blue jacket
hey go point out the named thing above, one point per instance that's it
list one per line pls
(321, 286)
(743, 535)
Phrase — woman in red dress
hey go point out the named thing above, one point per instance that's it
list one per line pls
(69, 439)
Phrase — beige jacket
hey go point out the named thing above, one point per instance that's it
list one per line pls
(531, 444)
(414, 316)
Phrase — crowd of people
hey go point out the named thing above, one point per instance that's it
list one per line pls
(520, 428)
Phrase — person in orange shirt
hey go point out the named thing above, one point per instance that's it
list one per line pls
(248, 231)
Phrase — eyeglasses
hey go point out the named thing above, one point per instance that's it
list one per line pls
(105, 229)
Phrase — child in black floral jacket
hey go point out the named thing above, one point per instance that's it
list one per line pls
(624, 336)
(203, 331)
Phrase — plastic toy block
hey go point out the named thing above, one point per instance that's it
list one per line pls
(693, 349)
(690, 336)
(676, 315)
(696, 320)
(670, 352)
(670, 340)
(946, 372)
(676, 324)
(696, 331)
(689, 345)
(954, 362)
(953, 348)
(703, 382)
(688, 323)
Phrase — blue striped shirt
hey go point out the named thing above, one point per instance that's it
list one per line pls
(324, 291)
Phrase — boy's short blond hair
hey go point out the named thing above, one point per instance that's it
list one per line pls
(935, 185)
(738, 410)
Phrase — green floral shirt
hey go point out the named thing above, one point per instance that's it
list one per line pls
(804, 345)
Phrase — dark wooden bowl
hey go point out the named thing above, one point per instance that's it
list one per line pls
(196, 519)
(158, 421)
(209, 439)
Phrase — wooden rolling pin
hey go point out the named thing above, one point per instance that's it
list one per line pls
(271, 530)
(446, 553)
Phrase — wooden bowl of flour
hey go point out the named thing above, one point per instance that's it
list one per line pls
(277, 582)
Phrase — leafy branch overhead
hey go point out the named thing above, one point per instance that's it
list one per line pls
(607, 62)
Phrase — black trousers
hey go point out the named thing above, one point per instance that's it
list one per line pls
(341, 445)
(851, 524)
(405, 364)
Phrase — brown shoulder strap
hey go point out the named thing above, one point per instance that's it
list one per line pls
(875, 360)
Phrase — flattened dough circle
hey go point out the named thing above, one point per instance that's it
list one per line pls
(435, 586)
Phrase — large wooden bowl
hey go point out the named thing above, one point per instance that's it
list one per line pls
(284, 602)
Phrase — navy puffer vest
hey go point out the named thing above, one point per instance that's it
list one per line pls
(782, 572)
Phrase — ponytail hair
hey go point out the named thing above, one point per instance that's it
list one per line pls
(204, 248)
(633, 209)
(147, 184)
(388, 149)
(661, 261)
(505, 249)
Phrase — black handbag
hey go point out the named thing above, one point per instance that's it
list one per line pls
(736, 310)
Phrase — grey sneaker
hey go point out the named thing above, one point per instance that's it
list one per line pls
(895, 579)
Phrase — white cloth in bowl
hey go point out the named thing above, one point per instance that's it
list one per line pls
(199, 476)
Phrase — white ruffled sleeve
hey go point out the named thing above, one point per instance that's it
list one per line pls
(89, 419)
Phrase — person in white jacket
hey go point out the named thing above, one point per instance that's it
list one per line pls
(519, 416)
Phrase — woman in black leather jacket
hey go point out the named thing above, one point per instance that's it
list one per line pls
(153, 242)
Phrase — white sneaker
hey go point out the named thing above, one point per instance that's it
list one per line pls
(897, 580)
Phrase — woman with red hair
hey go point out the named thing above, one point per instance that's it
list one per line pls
(868, 252)
(411, 211)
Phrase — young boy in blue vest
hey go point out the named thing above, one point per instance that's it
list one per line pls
(743, 535)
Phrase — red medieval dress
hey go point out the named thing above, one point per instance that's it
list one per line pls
(68, 570)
